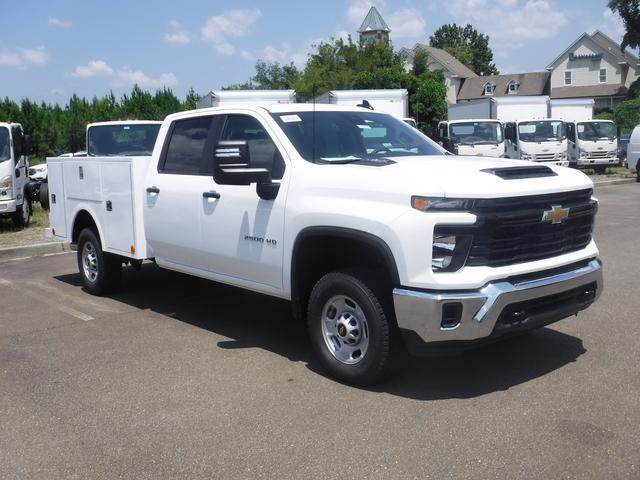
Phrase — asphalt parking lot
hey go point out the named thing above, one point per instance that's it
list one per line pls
(176, 377)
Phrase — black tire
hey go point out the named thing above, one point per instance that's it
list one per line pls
(106, 266)
(22, 216)
(638, 172)
(373, 301)
(44, 195)
(600, 169)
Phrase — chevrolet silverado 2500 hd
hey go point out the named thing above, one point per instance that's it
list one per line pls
(380, 238)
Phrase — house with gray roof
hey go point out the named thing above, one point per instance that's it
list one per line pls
(594, 66)
(514, 84)
(455, 72)
(374, 28)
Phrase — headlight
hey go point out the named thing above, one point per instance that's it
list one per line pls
(525, 156)
(449, 251)
(425, 204)
(584, 154)
(563, 155)
(6, 186)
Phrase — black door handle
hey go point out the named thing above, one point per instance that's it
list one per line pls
(153, 190)
(211, 194)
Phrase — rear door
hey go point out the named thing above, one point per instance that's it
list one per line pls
(173, 194)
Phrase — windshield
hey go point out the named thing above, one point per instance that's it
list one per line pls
(597, 131)
(5, 145)
(542, 131)
(476, 133)
(344, 137)
(122, 140)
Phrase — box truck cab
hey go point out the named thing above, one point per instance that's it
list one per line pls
(394, 102)
(590, 143)
(593, 144)
(537, 141)
(480, 138)
(14, 174)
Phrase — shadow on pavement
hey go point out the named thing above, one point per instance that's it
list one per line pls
(257, 321)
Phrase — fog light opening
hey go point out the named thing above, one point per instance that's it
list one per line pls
(451, 315)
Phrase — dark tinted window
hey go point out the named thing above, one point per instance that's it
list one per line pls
(262, 151)
(186, 147)
(5, 145)
(122, 140)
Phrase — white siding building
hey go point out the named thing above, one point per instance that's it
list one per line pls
(595, 67)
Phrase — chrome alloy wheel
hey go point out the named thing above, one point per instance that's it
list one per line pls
(90, 262)
(345, 330)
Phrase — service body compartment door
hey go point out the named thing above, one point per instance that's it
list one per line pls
(57, 200)
(117, 206)
(82, 179)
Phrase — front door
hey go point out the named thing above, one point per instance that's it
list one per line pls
(173, 200)
(242, 233)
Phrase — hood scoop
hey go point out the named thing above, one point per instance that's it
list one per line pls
(518, 173)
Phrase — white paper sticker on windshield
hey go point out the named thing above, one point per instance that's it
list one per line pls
(363, 127)
(290, 118)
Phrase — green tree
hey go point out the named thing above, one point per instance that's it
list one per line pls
(191, 100)
(420, 62)
(634, 90)
(467, 45)
(627, 114)
(139, 105)
(629, 11)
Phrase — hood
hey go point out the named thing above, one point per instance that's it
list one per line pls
(454, 176)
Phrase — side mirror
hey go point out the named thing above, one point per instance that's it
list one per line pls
(28, 145)
(232, 165)
(449, 145)
(17, 172)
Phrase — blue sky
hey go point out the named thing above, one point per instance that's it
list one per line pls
(49, 50)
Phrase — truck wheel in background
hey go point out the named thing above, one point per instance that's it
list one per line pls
(351, 331)
(22, 215)
(100, 271)
(638, 173)
(44, 195)
(600, 169)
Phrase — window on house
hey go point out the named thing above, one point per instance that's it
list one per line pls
(488, 88)
(603, 75)
(512, 88)
(567, 78)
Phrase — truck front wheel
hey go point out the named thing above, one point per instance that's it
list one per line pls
(100, 271)
(350, 330)
(22, 215)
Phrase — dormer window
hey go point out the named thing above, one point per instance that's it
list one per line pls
(512, 87)
(489, 88)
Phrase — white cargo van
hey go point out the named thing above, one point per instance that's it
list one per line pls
(633, 152)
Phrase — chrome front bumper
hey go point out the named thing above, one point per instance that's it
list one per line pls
(420, 313)
(7, 206)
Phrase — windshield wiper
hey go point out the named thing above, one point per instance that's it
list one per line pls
(339, 160)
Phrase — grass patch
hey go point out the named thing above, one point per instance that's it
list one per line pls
(11, 236)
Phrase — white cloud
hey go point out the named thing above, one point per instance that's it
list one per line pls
(407, 23)
(56, 22)
(138, 77)
(24, 58)
(246, 55)
(95, 68)
(126, 75)
(178, 35)
(231, 24)
(611, 25)
(513, 23)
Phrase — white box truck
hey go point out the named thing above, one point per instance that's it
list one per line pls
(379, 240)
(392, 101)
(242, 97)
(15, 197)
(542, 139)
(590, 143)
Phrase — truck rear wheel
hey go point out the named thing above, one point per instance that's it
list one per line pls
(44, 195)
(350, 330)
(100, 271)
(22, 215)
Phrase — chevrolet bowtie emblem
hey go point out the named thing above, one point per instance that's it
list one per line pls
(556, 215)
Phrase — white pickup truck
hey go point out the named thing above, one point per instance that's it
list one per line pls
(380, 239)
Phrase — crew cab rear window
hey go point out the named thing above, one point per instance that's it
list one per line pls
(185, 150)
